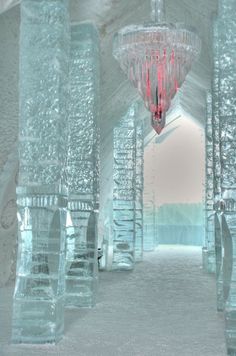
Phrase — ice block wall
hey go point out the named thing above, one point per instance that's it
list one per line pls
(181, 224)
(83, 167)
(209, 262)
(139, 154)
(124, 192)
(227, 113)
(38, 306)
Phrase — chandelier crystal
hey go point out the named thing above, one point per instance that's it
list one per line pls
(156, 57)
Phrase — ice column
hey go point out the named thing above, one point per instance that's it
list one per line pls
(219, 240)
(82, 167)
(124, 193)
(209, 249)
(227, 112)
(139, 189)
(149, 231)
(38, 306)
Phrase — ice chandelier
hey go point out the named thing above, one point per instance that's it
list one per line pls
(156, 58)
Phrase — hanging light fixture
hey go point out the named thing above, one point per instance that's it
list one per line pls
(156, 58)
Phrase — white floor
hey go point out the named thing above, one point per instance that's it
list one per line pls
(166, 307)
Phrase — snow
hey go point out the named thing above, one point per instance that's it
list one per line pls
(166, 307)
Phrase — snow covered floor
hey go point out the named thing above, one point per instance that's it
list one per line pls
(166, 307)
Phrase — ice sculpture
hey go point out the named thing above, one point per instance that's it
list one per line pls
(38, 306)
(149, 212)
(209, 262)
(156, 58)
(82, 167)
(139, 189)
(227, 105)
(124, 193)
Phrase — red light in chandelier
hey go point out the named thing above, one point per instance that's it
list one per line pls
(159, 88)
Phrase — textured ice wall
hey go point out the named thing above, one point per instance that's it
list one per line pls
(9, 58)
(83, 166)
(38, 306)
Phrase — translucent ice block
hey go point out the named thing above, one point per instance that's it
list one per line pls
(38, 306)
(82, 166)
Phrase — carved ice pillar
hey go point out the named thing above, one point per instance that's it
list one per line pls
(139, 131)
(219, 241)
(209, 249)
(227, 111)
(149, 233)
(38, 307)
(82, 167)
(124, 193)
